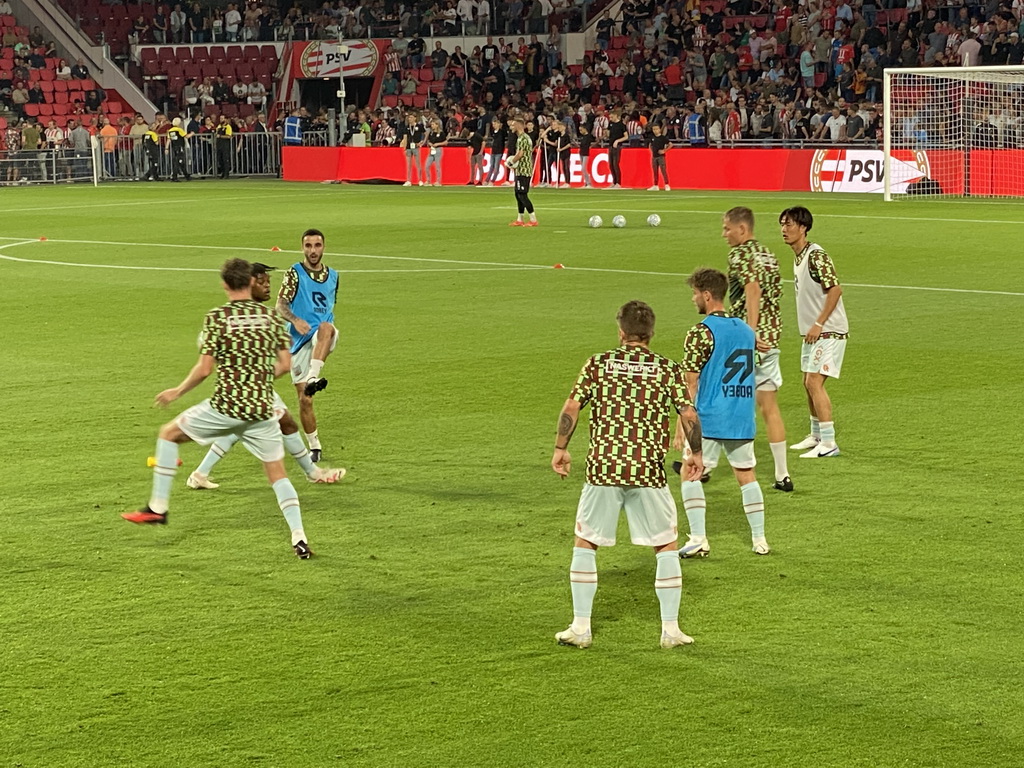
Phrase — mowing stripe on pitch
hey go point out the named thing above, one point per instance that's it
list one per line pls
(467, 266)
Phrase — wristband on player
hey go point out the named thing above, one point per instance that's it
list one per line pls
(820, 325)
(565, 448)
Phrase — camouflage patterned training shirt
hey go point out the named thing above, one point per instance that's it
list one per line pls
(631, 392)
(244, 337)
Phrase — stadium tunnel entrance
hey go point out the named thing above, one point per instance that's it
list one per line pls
(315, 93)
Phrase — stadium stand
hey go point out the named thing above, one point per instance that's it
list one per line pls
(52, 94)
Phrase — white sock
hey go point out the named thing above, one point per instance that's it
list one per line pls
(816, 427)
(533, 216)
(779, 454)
(519, 217)
(313, 439)
(315, 366)
(828, 433)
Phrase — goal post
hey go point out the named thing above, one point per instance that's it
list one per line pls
(953, 132)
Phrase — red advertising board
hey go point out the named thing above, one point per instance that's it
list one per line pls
(985, 172)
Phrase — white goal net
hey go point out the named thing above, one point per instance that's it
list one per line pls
(954, 132)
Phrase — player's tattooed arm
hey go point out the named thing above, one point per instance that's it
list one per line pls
(690, 423)
(567, 421)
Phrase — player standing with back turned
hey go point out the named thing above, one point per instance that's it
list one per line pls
(821, 317)
(632, 392)
(306, 300)
(247, 344)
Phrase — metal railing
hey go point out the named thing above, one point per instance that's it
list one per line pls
(46, 166)
(129, 158)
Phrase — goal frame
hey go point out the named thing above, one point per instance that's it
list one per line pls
(934, 72)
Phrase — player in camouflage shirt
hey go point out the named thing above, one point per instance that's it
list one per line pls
(632, 392)
(248, 345)
(522, 164)
(755, 293)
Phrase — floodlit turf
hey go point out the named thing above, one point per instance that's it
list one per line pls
(884, 630)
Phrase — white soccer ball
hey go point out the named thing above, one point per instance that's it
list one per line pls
(654, 220)
(596, 221)
(619, 221)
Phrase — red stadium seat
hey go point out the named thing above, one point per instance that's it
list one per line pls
(234, 52)
(390, 101)
(32, 110)
(425, 75)
(88, 85)
(419, 101)
(60, 97)
(45, 110)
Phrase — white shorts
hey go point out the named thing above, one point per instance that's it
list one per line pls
(650, 512)
(740, 453)
(280, 409)
(825, 356)
(768, 372)
(300, 359)
(204, 425)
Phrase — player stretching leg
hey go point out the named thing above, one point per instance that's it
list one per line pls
(755, 295)
(522, 164)
(632, 392)
(248, 346)
(306, 300)
(718, 357)
(289, 429)
(821, 317)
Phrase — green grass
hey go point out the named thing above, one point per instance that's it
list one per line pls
(883, 631)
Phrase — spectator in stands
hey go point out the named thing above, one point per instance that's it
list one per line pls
(5, 9)
(205, 90)
(36, 60)
(140, 31)
(438, 60)
(36, 95)
(161, 26)
(179, 24)
(221, 91)
(62, 71)
(409, 84)
(80, 71)
(19, 98)
(483, 16)
(232, 23)
(190, 94)
(416, 48)
(257, 95)
(389, 85)
(239, 92)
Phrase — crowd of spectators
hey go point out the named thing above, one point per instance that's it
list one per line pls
(756, 70)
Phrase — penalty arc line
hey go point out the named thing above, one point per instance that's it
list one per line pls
(469, 266)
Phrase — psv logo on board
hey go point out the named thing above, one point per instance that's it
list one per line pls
(322, 58)
(863, 170)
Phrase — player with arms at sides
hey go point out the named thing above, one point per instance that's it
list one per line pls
(306, 300)
(821, 317)
(247, 344)
(631, 391)
(521, 163)
(755, 296)
(289, 429)
(718, 358)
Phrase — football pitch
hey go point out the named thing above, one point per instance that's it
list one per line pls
(884, 629)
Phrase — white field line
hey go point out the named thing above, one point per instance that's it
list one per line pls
(661, 210)
(162, 201)
(469, 266)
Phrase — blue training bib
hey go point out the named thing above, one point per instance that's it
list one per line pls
(313, 302)
(725, 393)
